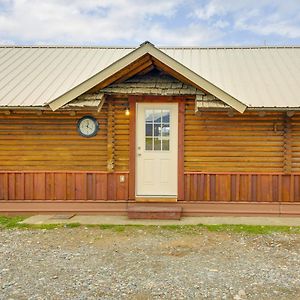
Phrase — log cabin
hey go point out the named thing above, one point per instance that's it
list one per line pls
(101, 130)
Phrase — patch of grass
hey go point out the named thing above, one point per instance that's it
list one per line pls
(117, 228)
(15, 222)
(254, 229)
(180, 227)
(105, 226)
(240, 228)
(72, 225)
(44, 226)
(11, 222)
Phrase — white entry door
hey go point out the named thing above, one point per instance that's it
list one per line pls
(157, 149)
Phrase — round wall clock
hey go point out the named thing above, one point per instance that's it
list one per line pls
(87, 126)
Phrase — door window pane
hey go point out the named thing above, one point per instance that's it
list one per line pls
(165, 145)
(149, 142)
(149, 131)
(165, 116)
(165, 130)
(157, 130)
(157, 116)
(157, 144)
(149, 116)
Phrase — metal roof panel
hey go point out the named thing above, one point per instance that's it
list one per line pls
(256, 76)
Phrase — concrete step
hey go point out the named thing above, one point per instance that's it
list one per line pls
(154, 212)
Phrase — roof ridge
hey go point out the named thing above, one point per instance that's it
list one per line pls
(159, 47)
(232, 47)
(65, 46)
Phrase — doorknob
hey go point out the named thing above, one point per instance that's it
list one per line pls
(139, 154)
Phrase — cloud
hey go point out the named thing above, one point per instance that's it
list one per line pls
(191, 35)
(167, 22)
(90, 21)
(265, 18)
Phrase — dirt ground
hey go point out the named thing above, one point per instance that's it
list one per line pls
(147, 263)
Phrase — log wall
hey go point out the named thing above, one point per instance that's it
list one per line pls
(121, 146)
(217, 142)
(232, 158)
(50, 141)
(294, 144)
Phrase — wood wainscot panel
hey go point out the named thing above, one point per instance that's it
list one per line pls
(63, 185)
(242, 187)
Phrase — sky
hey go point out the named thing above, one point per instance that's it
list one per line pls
(162, 22)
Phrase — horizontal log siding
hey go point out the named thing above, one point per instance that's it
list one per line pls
(216, 142)
(242, 187)
(51, 142)
(295, 142)
(121, 146)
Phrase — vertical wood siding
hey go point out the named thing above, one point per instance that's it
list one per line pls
(242, 187)
(54, 185)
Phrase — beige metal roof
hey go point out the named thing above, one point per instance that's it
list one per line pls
(36, 76)
(137, 56)
(257, 77)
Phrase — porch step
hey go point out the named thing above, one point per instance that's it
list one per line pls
(154, 212)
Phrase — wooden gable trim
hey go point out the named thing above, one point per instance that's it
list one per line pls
(159, 58)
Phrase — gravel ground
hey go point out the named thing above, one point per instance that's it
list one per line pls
(147, 263)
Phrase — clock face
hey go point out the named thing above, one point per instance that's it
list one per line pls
(87, 126)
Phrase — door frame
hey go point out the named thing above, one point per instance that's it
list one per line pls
(162, 191)
(133, 100)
